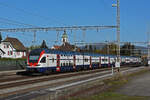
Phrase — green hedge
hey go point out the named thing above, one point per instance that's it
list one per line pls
(13, 62)
(13, 59)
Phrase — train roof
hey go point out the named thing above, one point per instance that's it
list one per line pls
(38, 51)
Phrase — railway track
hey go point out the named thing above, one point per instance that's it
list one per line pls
(7, 74)
(12, 87)
(11, 77)
(19, 78)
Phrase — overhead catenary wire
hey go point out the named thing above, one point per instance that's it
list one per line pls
(47, 19)
(100, 27)
(2, 22)
(16, 22)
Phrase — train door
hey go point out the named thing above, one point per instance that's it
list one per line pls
(90, 62)
(100, 62)
(58, 63)
(74, 62)
(109, 62)
(106, 61)
(48, 61)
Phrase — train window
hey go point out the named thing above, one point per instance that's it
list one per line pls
(43, 60)
(67, 64)
(78, 59)
(52, 59)
(86, 60)
(103, 60)
(33, 58)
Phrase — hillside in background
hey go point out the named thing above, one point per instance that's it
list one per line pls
(100, 46)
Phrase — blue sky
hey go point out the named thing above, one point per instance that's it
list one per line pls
(135, 18)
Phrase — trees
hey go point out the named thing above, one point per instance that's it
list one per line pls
(86, 48)
(90, 48)
(0, 37)
(128, 49)
(33, 47)
(110, 48)
(43, 45)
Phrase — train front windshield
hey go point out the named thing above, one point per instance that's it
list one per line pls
(34, 56)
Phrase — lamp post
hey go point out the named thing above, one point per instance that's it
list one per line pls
(118, 33)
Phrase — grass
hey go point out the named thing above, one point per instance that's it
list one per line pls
(113, 84)
(111, 96)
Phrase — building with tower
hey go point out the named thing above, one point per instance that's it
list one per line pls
(65, 45)
(64, 38)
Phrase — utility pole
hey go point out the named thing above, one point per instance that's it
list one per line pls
(83, 35)
(57, 37)
(148, 47)
(108, 48)
(118, 33)
(34, 38)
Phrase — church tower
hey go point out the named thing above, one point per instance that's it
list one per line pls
(64, 37)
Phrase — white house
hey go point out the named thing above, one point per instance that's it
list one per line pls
(12, 48)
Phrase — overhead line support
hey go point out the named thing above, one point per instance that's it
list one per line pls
(56, 28)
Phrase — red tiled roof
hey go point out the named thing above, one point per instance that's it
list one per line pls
(66, 47)
(56, 47)
(15, 43)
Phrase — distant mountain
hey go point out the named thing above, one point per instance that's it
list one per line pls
(143, 49)
(94, 45)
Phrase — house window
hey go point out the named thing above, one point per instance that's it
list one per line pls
(18, 53)
(24, 53)
(11, 52)
(7, 46)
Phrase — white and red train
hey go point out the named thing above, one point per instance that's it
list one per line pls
(47, 60)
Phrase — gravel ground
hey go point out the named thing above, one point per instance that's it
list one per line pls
(138, 86)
